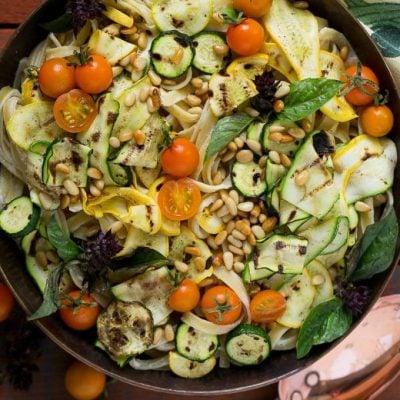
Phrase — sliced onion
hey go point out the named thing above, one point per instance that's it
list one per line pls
(63, 51)
(224, 361)
(181, 84)
(196, 229)
(283, 338)
(233, 280)
(226, 184)
(209, 222)
(160, 363)
(206, 326)
(162, 345)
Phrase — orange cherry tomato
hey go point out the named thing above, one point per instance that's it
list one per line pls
(7, 302)
(377, 120)
(95, 76)
(185, 297)
(74, 111)
(267, 306)
(180, 159)
(81, 312)
(362, 94)
(56, 77)
(83, 382)
(246, 38)
(253, 8)
(221, 305)
(180, 199)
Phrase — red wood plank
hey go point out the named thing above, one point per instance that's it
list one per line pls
(16, 11)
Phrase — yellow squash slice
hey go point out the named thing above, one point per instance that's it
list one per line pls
(249, 66)
(278, 60)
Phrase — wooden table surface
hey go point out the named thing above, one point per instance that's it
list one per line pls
(48, 382)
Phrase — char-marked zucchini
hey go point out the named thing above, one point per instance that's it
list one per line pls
(190, 369)
(187, 16)
(19, 217)
(247, 179)
(206, 59)
(251, 273)
(195, 345)
(247, 345)
(283, 254)
(273, 174)
(276, 281)
(324, 286)
(145, 155)
(286, 148)
(171, 54)
(291, 216)
(341, 236)
(119, 84)
(121, 360)
(125, 328)
(149, 288)
(255, 130)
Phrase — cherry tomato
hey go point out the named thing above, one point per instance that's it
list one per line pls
(267, 306)
(221, 305)
(81, 313)
(180, 199)
(56, 77)
(253, 8)
(377, 120)
(83, 382)
(95, 76)
(7, 302)
(185, 297)
(246, 38)
(74, 111)
(180, 159)
(362, 94)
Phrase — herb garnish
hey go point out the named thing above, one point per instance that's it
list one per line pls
(266, 86)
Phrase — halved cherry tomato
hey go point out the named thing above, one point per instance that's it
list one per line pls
(267, 306)
(181, 158)
(56, 77)
(246, 38)
(179, 199)
(83, 382)
(79, 311)
(95, 76)
(185, 297)
(74, 111)
(221, 305)
(253, 8)
(377, 120)
(7, 302)
(357, 78)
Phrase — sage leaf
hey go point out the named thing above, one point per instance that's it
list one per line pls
(325, 323)
(67, 249)
(307, 96)
(50, 295)
(225, 130)
(376, 249)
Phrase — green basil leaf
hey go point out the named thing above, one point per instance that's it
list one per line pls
(308, 96)
(142, 258)
(225, 130)
(376, 249)
(66, 248)
(61, 24)
(325, 323)
(50, 295)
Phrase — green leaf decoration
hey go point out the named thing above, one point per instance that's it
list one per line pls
(383, 19)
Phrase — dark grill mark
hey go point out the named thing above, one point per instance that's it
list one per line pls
(279, 245)
(157, 56)
(181, 41)
(111, 118)
(95, 137)
(302, 250)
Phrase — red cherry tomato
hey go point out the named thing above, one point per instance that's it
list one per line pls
(246, 38)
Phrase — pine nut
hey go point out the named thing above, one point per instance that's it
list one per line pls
(125, 136)
(221, 237)
(41, 259)
(202, 90)
(286, 138)
(64, 201)
(154, 78)
(130, 99)
(129, 31)
(177, 56)
(253, 220)
(269, 224)
(217, 179)
(222, 211)
(344, 53)
(243, 227)
(63, 168)
(94, 191)
(234, 195)
(200, 264)
(46, 200)
(277, 128)
(247, 248)
(193, 100)
(151, 107)
(285, 160)
(244, 156)
(238, 267)
(262, 218)
(217, 205)
(92, 230)
(227, 218)
(231, 206)
(228, 157)
(252, 112)
(74, 199)
(379, 199)
(139, 63)
(207, 282)
(181, 266)
(132, 58)
(158, 335)
(114, 142)
(139, 137)
(247, 206)
(302, 5)
(317, 280)
(360, 206)
(220, 49)
(275, 136)
(258, 231)
(52, 256)
(282, 89)
(228, 260)
(116, 226)
(125, 61)
(144, 94)
(71, 187)
(239, 142)
(274, 156)
(230, 226)
(211, 243)
(252, 239)
(278, 105)
(306, 125)
(142, 41)
(94, 173)
(262, 162)
(197, 83)
(195, 110)
(256, 211)
(99, 184)
(192, 250)
(297, 133)
(254, 145)
(234, 241)
(235, 250)
(301, 178)
(232, 146)
(217, 261)
(238, 235)
(169, 333)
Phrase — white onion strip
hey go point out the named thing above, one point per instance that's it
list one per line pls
(226, 184)
(159, 363)
(206, 326)
(233, 280)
